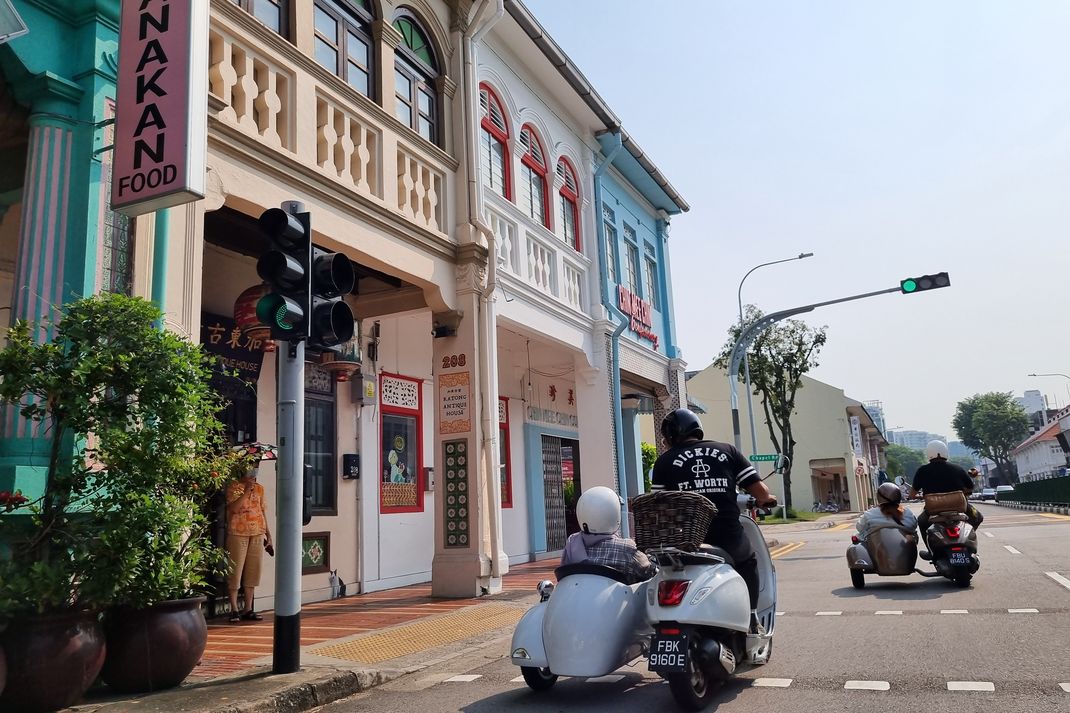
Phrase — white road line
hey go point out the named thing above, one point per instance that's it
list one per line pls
(1023, 611)
(1011, 550)
(772, 682)
(889, 612)
(954, 611)
(986, 533)
(518, 679)
(1065, 687)
(466, 678)
(611, 678)
(867, 686)
(829, 613)
(1059, 578)
(780, 613)
(971, 686)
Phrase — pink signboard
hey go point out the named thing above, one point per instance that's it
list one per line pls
(161, 116)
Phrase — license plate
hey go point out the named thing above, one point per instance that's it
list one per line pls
(959, 559)
(668, 653)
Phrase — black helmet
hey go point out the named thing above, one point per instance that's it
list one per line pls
(889, 494)
(681, 424)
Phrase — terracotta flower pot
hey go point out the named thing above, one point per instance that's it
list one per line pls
(154, 648)
(52, 660)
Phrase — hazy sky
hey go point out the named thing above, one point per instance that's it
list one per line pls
(890, 139)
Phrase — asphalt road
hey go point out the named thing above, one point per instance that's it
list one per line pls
(915, 638)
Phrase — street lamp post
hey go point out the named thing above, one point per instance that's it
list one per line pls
(746, 360)
(1056, 373)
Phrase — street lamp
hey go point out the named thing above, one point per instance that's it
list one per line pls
(1055, 374)
(746, 361)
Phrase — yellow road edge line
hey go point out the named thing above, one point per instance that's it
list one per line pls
(841, 526)
(1054, 516)
(792, 547)
(780, 548)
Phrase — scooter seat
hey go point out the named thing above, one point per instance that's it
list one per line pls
(719, 551)
(601, 570)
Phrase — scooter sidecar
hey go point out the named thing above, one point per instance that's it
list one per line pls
(591, 624)
(887, 552)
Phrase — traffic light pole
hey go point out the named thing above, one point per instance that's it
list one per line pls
(286, 654)
(753, 331)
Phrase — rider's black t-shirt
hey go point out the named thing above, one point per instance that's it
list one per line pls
(941, 476)
(712, 469)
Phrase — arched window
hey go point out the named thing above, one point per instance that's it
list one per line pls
(569, 197)
(344, 41)
(415, 71)
(533, 178)
(494, 144)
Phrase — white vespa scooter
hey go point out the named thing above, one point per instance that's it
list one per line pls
(692, 618)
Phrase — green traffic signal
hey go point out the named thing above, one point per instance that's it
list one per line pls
(924, 282)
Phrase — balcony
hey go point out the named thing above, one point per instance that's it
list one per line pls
(535, 258)
(263, 87)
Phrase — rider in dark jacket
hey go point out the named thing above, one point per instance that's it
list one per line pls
(941, 476)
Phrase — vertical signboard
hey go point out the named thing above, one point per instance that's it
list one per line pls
(856, 436)
(161, 126)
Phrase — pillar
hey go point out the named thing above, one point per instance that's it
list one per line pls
(464, 489)
(595, 414)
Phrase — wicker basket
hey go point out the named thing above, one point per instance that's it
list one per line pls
(955, 501)
(671, 518)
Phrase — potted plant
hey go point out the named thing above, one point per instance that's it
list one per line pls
(133, 444)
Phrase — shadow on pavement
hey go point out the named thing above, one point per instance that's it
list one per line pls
(906, 590)
(633, 692)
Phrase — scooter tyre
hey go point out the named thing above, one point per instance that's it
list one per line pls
(538, 679)
(963, 580)
(858, 580)
(693, 689)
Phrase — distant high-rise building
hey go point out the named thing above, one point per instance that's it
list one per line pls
(875, 409)
(1032, 401)
(956, 449)
(915, 439)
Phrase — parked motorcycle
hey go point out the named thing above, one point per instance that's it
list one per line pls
(692, 619)
(889, 552)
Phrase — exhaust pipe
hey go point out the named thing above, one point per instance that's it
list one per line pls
(711, 650)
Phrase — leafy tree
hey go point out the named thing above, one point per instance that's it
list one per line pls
(650, 454)
(965, 461)
(779, 358)
(993, 425)
(903, 461)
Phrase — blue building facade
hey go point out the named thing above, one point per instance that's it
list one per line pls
(634, 206)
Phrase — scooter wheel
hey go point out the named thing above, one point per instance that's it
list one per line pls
(694, 688)
(963, 580)
(538, 679)
(858, 580)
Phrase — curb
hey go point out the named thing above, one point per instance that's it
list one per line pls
(1034, 507)
(305, 696)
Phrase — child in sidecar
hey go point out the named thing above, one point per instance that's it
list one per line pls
(598, 512)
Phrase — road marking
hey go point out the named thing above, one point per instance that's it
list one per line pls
(785, 549)
(954, 611)
(890, 612)
(1054, 516)
(829, 613)
(518, 679)
(1065, 687)
(780, 613)
(971, 686)
(1023, 611)
(465, 678)
(841, 526)
(986, 533)
(1059, 578)
(611, 678)
(867, 686)
(1011, 550)
(772, 682)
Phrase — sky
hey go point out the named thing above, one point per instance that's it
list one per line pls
(889, 139)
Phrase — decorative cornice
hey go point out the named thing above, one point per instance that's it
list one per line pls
(446, 86)
(49, 93)
(384, 32)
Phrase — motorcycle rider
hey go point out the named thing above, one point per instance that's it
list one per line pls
(598, 512)
(714, 470)
(889, 512)
(941, 476)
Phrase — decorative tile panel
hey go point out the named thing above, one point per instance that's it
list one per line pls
(455, 461)
(400, 393)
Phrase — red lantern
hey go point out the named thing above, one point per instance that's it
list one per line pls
(246, 320)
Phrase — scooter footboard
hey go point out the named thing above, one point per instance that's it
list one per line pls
(527, 648)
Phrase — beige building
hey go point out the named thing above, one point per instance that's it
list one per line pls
(838, 450)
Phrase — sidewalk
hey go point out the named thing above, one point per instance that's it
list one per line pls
(824, 523)
(347, 645)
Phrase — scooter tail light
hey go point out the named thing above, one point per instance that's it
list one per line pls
(952, 531)
(854, 539)
(671, 591)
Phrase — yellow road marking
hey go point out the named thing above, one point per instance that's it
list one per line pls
(786, 549)
(1054, 516)
(841, 526)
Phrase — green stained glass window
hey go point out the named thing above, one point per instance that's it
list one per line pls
(415, 40)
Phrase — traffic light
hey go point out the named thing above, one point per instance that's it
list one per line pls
(332, 319)
(925, 282)
(286, 269)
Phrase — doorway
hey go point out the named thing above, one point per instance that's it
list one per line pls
(560, 465)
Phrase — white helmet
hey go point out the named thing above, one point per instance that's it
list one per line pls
(936, 449)
(598, 511)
